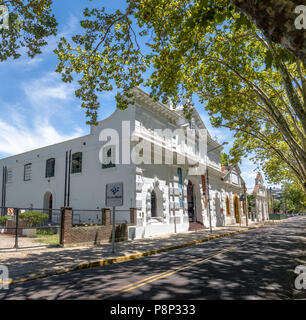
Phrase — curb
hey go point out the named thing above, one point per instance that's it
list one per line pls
(99, 263)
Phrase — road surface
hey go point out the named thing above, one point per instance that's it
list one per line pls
(256, 264)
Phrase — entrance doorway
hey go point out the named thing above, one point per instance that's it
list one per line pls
(157, 204)
(236, 208)
(153, 204)
(48, 204)
(191, 202)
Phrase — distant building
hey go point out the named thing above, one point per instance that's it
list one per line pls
(275, 193)
(234, 191)
(260, 210)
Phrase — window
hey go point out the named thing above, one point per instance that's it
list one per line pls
(9, 176)
(228, 211)
(27, 172)
(180, 185)
(76, 162)
(153, 204)
(109, 153)
(50, 168)
(108, 157)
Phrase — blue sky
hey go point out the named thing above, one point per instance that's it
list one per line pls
(38, 109)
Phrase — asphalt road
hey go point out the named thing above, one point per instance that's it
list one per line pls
(257, 264)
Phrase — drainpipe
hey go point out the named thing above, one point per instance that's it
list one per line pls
(69, 170)
(65, 193)
(208, 200)
(2, 189)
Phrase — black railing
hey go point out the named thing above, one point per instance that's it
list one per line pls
(28, 227)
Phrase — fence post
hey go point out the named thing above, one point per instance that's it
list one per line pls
(66, 225)
(133, 216)
(106, 219)
(16, 228)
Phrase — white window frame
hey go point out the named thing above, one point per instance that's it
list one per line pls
(27, 176)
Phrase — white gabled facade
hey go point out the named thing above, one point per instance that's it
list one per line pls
(167, 197)
(260, 199)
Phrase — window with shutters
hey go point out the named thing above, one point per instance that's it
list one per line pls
(27, 172)
(9, 176)
(109, 157)
(50, 168)
(76, 165)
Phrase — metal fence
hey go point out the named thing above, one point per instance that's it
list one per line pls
(22, 228)
(29, 227)
(277, 216)
(83, 217)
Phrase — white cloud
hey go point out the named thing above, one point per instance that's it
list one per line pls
(19, 137)
(49, 97)
(27, 124)
(47, 87)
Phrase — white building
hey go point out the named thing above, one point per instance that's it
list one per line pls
(260, 199)
(168, 197)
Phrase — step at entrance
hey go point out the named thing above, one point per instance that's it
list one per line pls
(193, 226)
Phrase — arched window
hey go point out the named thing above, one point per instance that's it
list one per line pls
(153, 204)
(109, 153)
(50, 168)
(236, 208)
(228, 211)
(109, 159)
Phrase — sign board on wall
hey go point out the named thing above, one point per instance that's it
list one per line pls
(10, 211)
(114, 194)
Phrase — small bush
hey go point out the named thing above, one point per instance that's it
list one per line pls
(3, 221)
(46, 232)
(33, 219)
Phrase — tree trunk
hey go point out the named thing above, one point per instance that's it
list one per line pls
(276, 19)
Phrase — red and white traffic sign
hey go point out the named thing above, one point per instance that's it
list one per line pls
(10, 211)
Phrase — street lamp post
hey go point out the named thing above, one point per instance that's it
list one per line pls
(246, 204)
(208, 201)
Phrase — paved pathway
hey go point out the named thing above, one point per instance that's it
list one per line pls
(8, 241)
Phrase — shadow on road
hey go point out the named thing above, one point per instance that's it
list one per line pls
(261, 267)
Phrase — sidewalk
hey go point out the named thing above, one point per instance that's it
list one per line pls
(38, 263)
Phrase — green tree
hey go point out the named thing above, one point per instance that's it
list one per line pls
(248, 83)
(227, 159)
(276, 206)
(31, 22)
(295, 197)
(251, 202)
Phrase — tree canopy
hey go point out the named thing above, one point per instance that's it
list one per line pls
(294, 198)
(30, 23)
(247, 83)
(230, 53)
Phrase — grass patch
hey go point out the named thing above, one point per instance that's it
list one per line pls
(51, 239)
